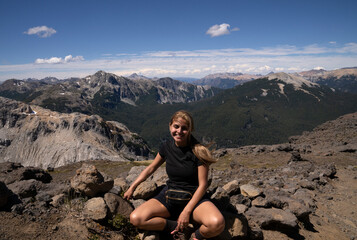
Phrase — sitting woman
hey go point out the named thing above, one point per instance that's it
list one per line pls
(184, 198)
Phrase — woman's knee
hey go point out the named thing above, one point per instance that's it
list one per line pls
(216, 224)
(136, 219)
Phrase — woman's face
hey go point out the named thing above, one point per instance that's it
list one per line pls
(180, 131)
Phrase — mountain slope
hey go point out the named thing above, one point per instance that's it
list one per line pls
(225, 80)
(35, 136)
(268, 111)
(344, 79)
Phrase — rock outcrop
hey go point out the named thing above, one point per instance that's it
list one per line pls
(34, 136)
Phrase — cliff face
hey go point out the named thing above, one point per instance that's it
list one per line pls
(38, 137)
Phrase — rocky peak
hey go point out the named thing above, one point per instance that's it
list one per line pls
(40, 137)
(297, 81)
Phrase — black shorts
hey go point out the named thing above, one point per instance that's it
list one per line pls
(175, 210)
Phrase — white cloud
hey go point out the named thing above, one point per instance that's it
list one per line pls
(56, 60)
(41, 31)
(196, 63)
(318, 68)
(219, 30)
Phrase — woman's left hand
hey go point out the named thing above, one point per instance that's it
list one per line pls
(183, 220)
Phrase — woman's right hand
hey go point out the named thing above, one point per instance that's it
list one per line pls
(128, 194)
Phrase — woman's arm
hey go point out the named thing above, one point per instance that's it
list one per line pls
(184, 217)
(158, 161)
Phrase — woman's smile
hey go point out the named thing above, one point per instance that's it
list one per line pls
(179, 131)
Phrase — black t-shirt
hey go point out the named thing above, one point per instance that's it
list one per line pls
(181, 166)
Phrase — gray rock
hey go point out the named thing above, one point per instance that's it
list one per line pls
(250, 191)
(236, 227)
(272, 218)
(117, 205)
(25, 188)
(240, 199)
(58, 200)
(95, 208)
(232, 187)
(145, 190)
(89, 181)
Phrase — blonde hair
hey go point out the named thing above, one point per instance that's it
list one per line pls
(200, 151)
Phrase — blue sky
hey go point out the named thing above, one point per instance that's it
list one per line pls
(185, 38)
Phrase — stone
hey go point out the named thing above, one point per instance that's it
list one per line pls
(117, 205)
(25, 188)
(240, 199)
(145, 190)
(89, 181)
(250, 191)
(236, 226)
(272, 218)
(232, 187)
(241, 208)
(95, 208)
(58, 200)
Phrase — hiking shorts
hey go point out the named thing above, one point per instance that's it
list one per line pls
(174, 209)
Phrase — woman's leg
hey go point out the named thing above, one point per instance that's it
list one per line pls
(151, 215)
(210, 218)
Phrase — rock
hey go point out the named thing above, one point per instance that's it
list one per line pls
(328, 171)
(272, 218)
(95, 208)
(295, 157)
(241, 208)
(89, 181)
(250, 191)
(117, 205)
(240, 199)
(16, 172)
(145, 190)
(71, 228)
(4, 194)
(260, 202)
(58, 200)
(137, 202)
(307, 184)
(232, 187)
(134, 173)
(120, 182)
(236, 226)
(25, 188)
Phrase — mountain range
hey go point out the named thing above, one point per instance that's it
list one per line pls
(266, 110)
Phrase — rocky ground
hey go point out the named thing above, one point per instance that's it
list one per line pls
(304, 189)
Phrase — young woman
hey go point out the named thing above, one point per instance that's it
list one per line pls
(184, 197)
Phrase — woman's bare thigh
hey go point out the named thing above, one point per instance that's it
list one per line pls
(151, 208)
(205, 213)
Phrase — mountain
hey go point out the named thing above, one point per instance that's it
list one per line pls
(344, 79)
(34, 136)
(263, 111)
(225, 80)
(104, 90)
(268, 110)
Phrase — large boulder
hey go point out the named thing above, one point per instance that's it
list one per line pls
(89, 181)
